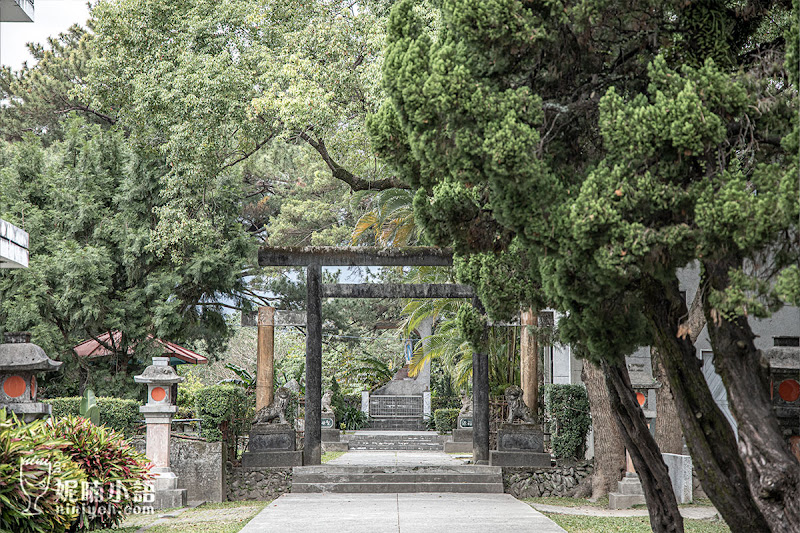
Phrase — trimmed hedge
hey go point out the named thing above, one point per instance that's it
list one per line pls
(445, 419)
(116, 413)
(220, 404)
(567, 410)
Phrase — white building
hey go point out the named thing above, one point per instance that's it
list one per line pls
(13, 246)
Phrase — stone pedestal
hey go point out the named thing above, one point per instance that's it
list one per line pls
(629, 493)
(461, 441)
(680, 474)
(519, 445)
(331, 441)
(167, 495)
(271, 445)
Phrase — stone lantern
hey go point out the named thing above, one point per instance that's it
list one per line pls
(19, 362)
(158, 412)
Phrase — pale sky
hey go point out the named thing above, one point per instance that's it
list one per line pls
(51, 17)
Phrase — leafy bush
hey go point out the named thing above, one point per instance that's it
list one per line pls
(445, 402)
(567, 411)
(32, 468)
(116, 473)
(352, 418)
(115, 413)
(445, 419)
(225, 412)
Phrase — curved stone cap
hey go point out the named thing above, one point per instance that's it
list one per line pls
(158, 374)
(25, 356)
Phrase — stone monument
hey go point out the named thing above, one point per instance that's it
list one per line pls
(331, 435)
(19, 362)
(272, 437)
(158, 411)
(462, 434)
(519, 444)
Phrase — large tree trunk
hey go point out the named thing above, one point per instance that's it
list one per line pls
(661, 503)
(772, 471)
(709, 437)
(609, 450)
(669, 436)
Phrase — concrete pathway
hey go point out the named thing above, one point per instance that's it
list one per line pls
(399, 513)
(697, 513)
(394, 458)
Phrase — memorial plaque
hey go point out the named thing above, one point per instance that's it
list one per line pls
(327, 423)
(266, 437)
(465, 423)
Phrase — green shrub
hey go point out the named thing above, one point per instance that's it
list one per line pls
(116, 413)
(567, 411)
(445, 419)
(116, 473)
(350, 418)
(445, 402)
(32, 469)
(225, 412)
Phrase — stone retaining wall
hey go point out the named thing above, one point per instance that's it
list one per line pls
(541, 482)
(198, 464)
(263, 484)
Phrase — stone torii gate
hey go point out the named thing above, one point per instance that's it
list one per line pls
(313, 259)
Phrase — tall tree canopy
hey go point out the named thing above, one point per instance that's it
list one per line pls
(608, 144)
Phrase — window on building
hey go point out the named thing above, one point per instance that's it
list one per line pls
(786, 341)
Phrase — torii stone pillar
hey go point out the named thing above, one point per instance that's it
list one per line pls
(158, 412)
(265, 357)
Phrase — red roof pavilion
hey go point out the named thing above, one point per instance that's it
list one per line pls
(93, 348)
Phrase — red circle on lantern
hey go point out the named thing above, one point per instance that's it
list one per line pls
(33, 387)
(640, 398)
(158, 394)
(14, 386)
(789, 390)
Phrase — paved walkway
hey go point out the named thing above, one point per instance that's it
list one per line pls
(399, 513)
(394, 458)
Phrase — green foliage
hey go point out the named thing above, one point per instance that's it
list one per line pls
(222, 92)
(117, 414)
(225, 412)
(445, 402)
(92, 270)
(445, 419)
(472, 326)
(117, 474)
(567, 410)
(352, 418)
(32, 467)
(243, 377)
(88, 408)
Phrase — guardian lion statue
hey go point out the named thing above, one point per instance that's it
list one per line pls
(466, 404)
(326, 402)
(517, 410)
(275, 410)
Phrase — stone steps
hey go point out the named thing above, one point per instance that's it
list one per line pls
(361, 479)
(397, 424)
(390, 441)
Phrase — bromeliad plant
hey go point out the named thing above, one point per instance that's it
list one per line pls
(34, 476)
(116, 473)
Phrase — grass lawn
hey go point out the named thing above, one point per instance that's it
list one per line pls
(569, 502)
(225, 517)
(330, 456)
(633, 524)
